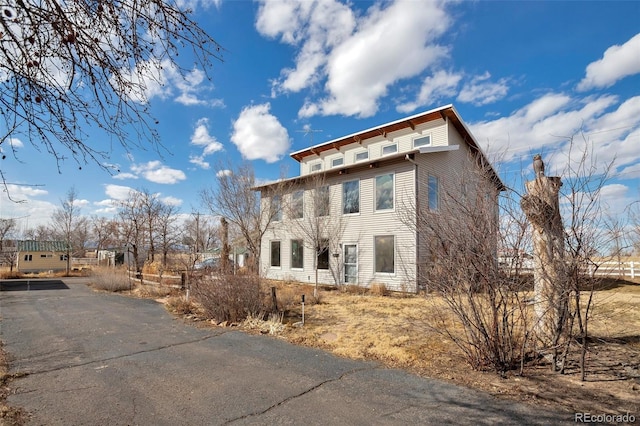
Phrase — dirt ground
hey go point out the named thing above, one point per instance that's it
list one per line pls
(394, 330)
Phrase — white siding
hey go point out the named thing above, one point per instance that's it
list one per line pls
(360, 229)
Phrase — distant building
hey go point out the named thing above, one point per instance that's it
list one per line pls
(41, 256)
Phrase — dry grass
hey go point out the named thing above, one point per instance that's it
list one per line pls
(396, 331)
(110, 279)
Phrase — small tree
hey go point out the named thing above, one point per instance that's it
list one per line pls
(65, 223)
(236, 199)
(320, 228)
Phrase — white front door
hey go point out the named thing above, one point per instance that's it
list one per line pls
(350, 263)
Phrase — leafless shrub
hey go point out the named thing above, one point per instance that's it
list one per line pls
(229, 297)
(378, 289)
(180, 305)
(110, 279)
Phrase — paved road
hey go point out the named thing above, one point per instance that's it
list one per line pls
(102, 359)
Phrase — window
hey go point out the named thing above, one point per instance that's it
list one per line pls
(337, 162)
(43, 255)
(422, 141)
(322, 256)
(362, 156)
(275, 254)
(322, 201)
(297, 254)
(434, 193)
(28, 257)
(297, 205)
(316, 167)
(384, 192)
(390, 149)
(384, 247)
(63, 257)
(276, 208)
(351, 197)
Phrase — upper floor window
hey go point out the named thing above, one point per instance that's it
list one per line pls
(297, 204)
(362, 156)
(336, 162)
(351, 197)
(316, 167)
(422, 141)
(434, 193)
(390, 149)
(276, 208)
(384, 192)
(322, 201)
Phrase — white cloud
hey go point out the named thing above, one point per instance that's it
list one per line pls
(442, 84)
(125, 175)
(171, 201)
(259, 135)
(157, 172)
(201, 137)
(358, 59)
(117, 192)
(618, 61)
(480, 91)
(225, 172)
(199, 161)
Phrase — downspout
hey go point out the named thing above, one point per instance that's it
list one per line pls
(415, 192)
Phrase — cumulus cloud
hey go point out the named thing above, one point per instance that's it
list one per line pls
(225, 172)
(259, 135)
(356, 58)
(481, 91)
(171, 201)
(161, 79)
(618, 61)
(609, 129)
(125, 175)
(117, 192)
(201, 137)
(442, 84)
(29, 211)
(157, 172)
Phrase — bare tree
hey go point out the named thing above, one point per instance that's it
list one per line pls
(132, 227)
(65, 220)
(103, 232)
(167, 230)
(235, 198)
(7, 254)
(320, 230)
(67, 66)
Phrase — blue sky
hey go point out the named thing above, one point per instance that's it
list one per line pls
(523, 75)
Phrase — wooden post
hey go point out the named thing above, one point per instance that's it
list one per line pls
(224, 255)
(542, 209)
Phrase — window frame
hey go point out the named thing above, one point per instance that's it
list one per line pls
(322, 204)
(357, 160)
(383, 154)
(271, 252)
(314, 164)
(28, 258)
(277, 214)
(393, 193)
(334, 159)
(422, 137)
(323, 254)
(430, 199)
(375, 255)
(300, 247)
(344, 197)
(295, 199)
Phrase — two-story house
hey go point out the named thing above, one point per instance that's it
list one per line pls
(369, 188)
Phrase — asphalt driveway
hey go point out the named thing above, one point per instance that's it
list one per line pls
(93, 358)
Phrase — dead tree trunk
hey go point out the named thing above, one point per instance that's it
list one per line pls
(551, 302)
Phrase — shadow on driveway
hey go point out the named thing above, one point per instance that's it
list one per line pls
(29, 285)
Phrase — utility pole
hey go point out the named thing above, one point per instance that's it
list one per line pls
(307, 130)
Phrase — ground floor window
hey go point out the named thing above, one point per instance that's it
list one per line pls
(384, 248)
(28, 257)
(297, 254)
(275, 253)
(322, 258)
